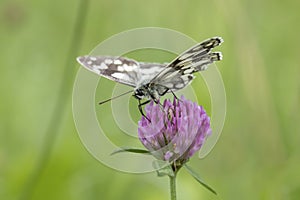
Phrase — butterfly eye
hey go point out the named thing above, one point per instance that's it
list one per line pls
(153, 80)
(139, 94)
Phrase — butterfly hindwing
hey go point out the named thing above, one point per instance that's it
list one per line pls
(152, 80)
(178, 73)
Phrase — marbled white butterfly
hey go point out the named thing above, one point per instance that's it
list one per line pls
(153, 80)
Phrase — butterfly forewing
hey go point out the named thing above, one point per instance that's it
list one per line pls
(150, 70)
(153, 80)
(119, 69)
(178, 73)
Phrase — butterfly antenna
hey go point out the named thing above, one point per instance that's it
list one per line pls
(107, 100)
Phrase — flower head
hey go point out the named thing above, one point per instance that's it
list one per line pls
(174, 131)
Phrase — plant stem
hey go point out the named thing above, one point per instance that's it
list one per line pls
(173, 187)
(63, 98)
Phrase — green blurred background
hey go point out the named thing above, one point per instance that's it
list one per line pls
(41, 156)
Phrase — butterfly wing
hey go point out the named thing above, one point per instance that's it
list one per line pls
(160, 78)
(149, 70)
(119, 69)
(179, 72)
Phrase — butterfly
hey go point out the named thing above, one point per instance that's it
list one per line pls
(153, 80)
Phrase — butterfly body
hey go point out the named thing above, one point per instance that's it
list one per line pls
(153, 80)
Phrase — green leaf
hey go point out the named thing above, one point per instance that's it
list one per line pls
(130, 149)
(197, 177)
(162, 168)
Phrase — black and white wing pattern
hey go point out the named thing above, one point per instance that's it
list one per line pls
(179, 73)
(121, 69)
(152, 80)
(149, 70)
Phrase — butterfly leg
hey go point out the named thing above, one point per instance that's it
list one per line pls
(141, 109)
(174, 95)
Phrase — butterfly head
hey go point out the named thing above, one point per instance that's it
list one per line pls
(147, 91)
(142, 92)
(139, 93)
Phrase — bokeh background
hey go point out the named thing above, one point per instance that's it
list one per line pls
(41, 156)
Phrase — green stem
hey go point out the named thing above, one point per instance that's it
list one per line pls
(63, 98)
(173, 187)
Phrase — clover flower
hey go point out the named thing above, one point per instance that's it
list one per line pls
(174, 131)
